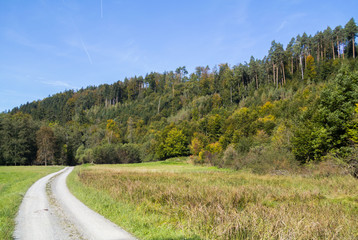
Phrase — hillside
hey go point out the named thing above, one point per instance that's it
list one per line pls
(296, 105)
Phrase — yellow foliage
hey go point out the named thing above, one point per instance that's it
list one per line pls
(113, 131)
(216, 100)
(196, 146)
(311, 67)
(241, 111)
(281, 136)
(266, 107)
(214, 147)
(267, 118)
(201, 155)
(303, 109)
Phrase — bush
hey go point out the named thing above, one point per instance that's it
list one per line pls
(128, 153)
(116, 153)
(230, 156)
(260, 160)
(105, 154)
(173, 143)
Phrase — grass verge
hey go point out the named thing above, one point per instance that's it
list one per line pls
(175, 200)
(14, 182)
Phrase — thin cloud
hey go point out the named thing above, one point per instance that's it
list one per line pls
(283, 24)
(58, 84)
(86, 51)
(290, 19)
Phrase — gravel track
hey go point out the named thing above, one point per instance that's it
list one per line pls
(49, 211)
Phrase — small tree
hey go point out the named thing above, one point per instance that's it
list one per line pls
(45, 140)
(311, 67)
(174, 144)
(113, 131)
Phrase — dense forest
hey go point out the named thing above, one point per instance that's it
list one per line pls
(297, 105)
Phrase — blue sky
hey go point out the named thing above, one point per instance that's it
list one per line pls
(49, 46)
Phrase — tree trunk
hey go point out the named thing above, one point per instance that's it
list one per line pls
(159, 105)
(273, 74)
(301, 66)
(334, 57)
(257, 82)
(338, 53)
(283, 73)
(292, 65)
(277, 77)
(354, 51)
(238, 89)
(231, 94)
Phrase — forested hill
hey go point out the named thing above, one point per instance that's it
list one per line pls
(297, 104)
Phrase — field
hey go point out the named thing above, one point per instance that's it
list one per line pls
(176, 200)
(14, 182)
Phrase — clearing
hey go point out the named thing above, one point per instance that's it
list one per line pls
(177, 200)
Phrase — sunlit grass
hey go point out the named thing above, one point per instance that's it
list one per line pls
(14, 182)
(175, 200)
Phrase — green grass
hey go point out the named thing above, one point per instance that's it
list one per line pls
(176, 200)
(14, 182)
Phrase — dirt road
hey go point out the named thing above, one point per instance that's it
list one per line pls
(50, 211)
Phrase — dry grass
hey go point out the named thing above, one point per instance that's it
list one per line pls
(204, 203)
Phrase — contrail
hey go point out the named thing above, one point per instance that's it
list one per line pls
(85, 49)
(101, 9)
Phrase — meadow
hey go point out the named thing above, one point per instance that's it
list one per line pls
(14, 182)
(177, 200)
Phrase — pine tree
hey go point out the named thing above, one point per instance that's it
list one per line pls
(351, 30)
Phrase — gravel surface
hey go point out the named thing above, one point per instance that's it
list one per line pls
(49, 211)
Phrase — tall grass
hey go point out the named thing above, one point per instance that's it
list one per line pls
(178, 201)
(14, 182)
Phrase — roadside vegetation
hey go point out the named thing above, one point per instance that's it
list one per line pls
(176, 200)
(14, 182)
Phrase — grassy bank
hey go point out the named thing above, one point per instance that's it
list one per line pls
(173, 200)
(14, 182)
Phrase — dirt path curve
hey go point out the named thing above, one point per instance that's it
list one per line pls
(49, 211)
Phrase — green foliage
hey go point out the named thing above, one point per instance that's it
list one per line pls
(300, 99)
(18, 142)
(110, 153)
(172, 143)
(353, 127)
(328, 130)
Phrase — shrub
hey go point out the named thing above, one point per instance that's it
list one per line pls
(128, 153)
(230, 156)
(173, 144)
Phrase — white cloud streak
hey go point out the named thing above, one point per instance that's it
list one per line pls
(283, 24)
(58, 84)
(86, 51)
